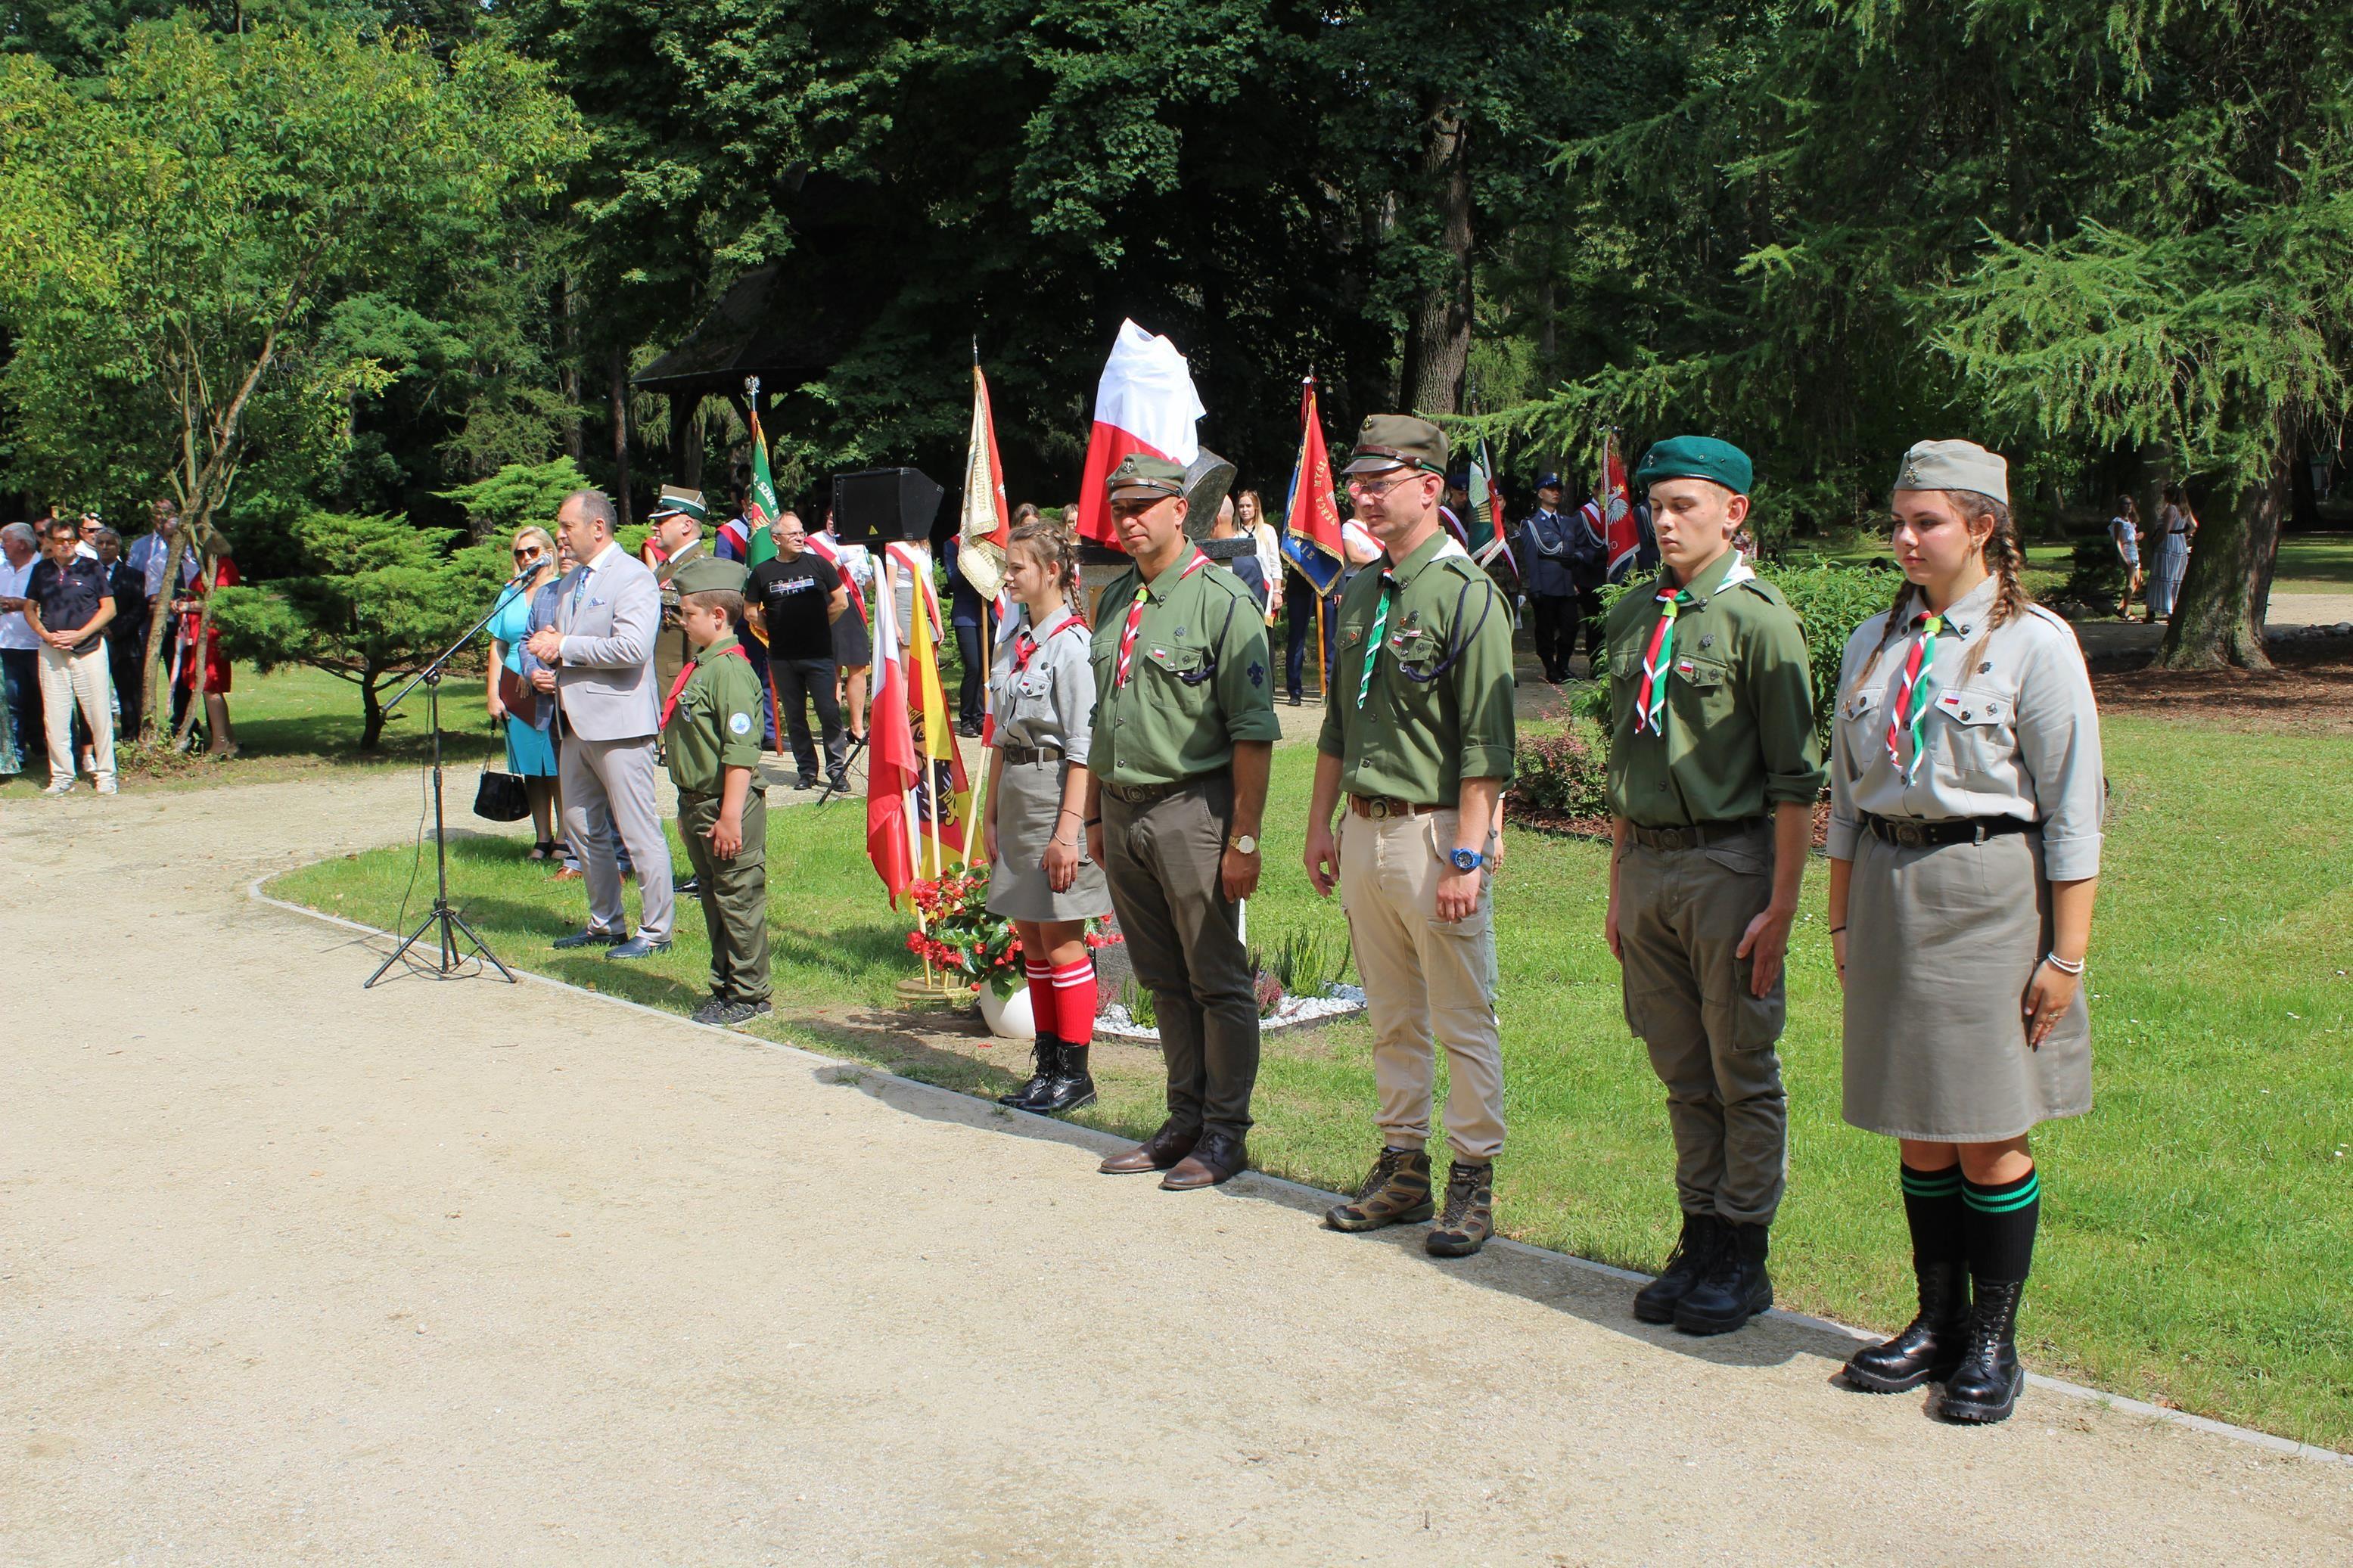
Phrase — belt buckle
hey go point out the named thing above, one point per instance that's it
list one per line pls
(1911, 835)
(1377, 808)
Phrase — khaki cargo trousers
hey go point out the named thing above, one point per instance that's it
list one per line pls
(1680, 916)
(1429, 983)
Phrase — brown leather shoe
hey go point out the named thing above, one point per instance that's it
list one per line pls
(1157, 1153)
(1219, 1157)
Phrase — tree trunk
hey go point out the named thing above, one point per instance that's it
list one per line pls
(620, 401)
(2219, 621)
(1438, 337)
(569, 378)
(686, 439)
(371, 710)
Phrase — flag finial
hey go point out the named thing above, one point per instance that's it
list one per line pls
(752, 388)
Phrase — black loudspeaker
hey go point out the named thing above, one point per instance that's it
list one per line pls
(882, 506)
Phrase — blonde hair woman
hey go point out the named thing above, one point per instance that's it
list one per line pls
(531, 745)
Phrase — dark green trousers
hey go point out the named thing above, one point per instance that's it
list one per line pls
(735, 894)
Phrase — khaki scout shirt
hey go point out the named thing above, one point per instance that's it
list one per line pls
(716, 726)
(1439, 708)
(1199, 682)
(1739, 719)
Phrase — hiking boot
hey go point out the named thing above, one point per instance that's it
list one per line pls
(1984, 1388)
(1693, 1254)
(1047, 1051)
(1395, 1192)
(1470, 1216)
(713, 1012)
(745, 1012)
(1735, 1290)
(1930, 1347)
(1070, 1087)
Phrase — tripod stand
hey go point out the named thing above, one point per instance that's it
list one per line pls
(449, 921)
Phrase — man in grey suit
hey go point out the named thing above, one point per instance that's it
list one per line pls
(608, 610)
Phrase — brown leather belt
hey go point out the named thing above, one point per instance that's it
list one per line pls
(1377, 807)
(1145, 794)
(1698, 835)
(1022, 756)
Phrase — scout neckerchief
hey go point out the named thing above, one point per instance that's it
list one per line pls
(1650, 697)
(669, 703)
(1135, 620)
(1911, 704)
(1024, 647)
(1381, 629)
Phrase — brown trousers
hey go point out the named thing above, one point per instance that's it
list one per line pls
(1680, 916)
(1184, 940)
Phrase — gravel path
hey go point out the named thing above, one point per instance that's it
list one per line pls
(460, 1273)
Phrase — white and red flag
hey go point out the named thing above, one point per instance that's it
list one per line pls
(985, 529)
(1144, 402)
(892, 767)
(1622, 536)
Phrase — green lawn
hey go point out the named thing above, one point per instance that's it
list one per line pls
(2197, 1223)
(296, 720)
(2315, 564)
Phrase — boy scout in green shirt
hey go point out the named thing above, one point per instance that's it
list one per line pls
(1183, 727)
(711, 737)
(1714, 772)
(1417, 733)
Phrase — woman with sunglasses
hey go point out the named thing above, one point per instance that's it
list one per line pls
(531, 747)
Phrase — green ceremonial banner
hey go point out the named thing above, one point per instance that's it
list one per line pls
(762, 507)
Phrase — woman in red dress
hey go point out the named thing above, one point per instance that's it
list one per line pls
(215, 675)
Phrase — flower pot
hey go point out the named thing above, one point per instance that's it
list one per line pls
(1008, 1017)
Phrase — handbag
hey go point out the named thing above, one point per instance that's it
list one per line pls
(501, 797)
(521, 698)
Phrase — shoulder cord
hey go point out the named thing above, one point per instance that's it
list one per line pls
(1455, 649)
(1208, 670)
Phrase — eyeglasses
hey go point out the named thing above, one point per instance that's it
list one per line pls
(1364, 491)
(528, 553)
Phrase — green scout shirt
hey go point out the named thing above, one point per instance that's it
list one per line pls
(1739, 719)
(1426, 724)
(716, 726)
(1199, 682)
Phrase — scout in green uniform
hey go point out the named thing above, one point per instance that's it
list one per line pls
(1417, 733)
(1184, 726)
(1714, 772)
(711, 739)
(676, 528)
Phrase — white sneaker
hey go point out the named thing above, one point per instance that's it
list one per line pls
(108, 789)
(58, 789)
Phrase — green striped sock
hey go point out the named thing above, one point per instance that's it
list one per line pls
(2001, 1221)
(1933, 1207)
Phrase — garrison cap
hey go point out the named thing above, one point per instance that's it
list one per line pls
(676, 501)
(1954, 466)
(1398, 441)
(710, 575)
(1697, 458)
(1141, 474)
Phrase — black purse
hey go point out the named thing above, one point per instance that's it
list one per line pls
(501, 797)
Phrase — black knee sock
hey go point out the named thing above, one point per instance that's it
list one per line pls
(1932, 1203)
(2002, 1225)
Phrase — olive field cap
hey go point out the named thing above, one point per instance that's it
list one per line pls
(1140, 475)
(1696, 457)
(678, 502)
(1398, 441)
(1954, 466)
(710, 575)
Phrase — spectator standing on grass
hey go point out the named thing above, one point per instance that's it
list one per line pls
(20, 661)
(513, 702)
(1966, 806)
(794, 601)
(2177, 526)
(853, 640)
(209, 674)
(1549, 559)
(967, 611)
(2123, 531)
(126, 634)
(1416, 743)
(608, 609)
(68, 604)
(1245, 565)
(1250, 513)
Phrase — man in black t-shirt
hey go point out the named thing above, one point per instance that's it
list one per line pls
(68, 602)
(792, 601)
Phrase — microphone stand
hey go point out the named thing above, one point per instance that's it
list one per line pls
(449, 920)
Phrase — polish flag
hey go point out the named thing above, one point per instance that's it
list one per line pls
(1622, 535)
(891, 767)
(1144, 402)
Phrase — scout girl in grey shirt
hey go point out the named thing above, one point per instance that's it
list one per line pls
(1966, 803)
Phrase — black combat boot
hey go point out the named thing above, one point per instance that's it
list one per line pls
(1928, 1349)
(1048, 1051)
(1984, 1388)
(1071, 1088)
(1734, 1290)
(1694, 1253)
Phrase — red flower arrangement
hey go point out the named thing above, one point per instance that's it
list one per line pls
(959, 935)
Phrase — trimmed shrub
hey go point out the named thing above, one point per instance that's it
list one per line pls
(1563, 770)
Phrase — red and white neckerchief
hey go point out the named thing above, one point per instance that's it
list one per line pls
(1024, 647)
(669, 703)
(1911, 708)
(1135, 620)
(1658, 661)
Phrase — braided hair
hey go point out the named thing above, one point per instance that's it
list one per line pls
(1056, 548)
(2004, 559)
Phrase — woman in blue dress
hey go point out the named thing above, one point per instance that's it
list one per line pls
(530, 748)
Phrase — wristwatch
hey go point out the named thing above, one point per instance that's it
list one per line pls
(1245, 844)
(1467, 860)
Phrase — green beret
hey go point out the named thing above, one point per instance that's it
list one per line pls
(1697, 458)
(676, 501)
(709, 575)
(1141, 474)
(1954, 466)
(1398, 441)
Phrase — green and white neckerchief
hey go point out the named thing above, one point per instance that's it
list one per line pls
(1373, 643)
(1911, 698)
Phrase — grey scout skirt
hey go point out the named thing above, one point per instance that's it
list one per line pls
(1941, 945)
(1030, 799)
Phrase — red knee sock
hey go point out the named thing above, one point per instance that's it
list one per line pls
(1074, 1003)
(1042, 996)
